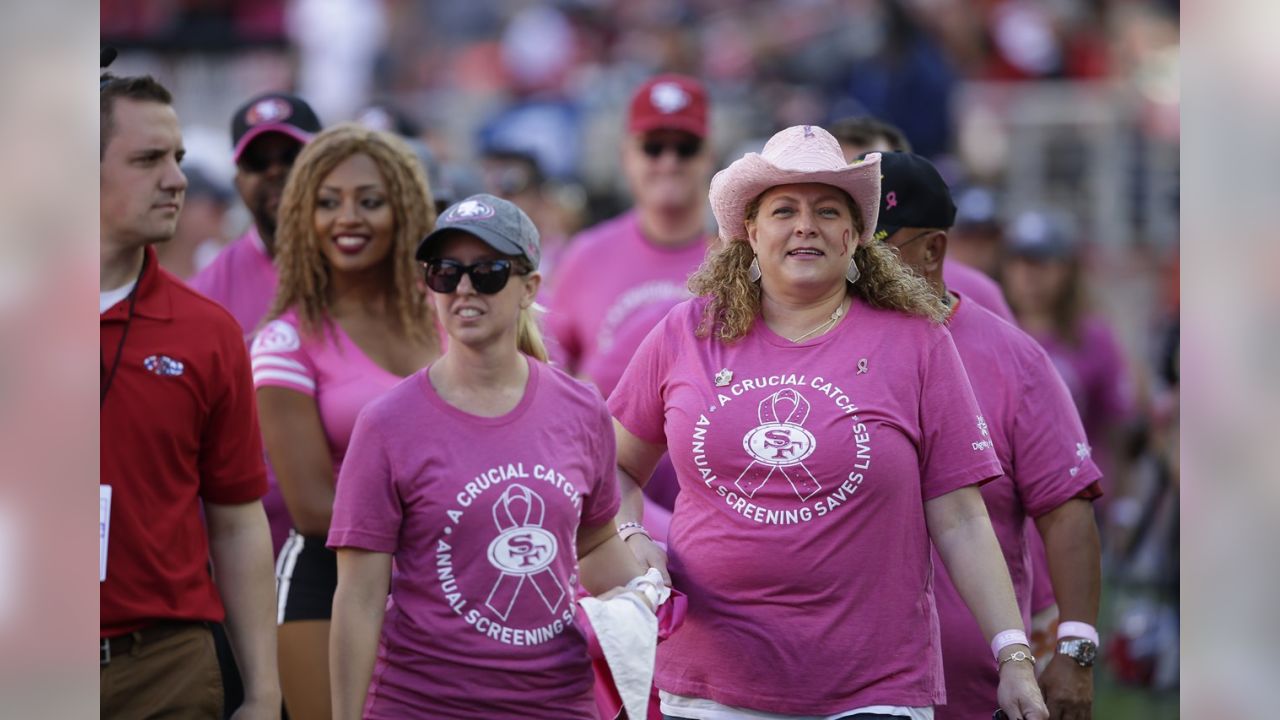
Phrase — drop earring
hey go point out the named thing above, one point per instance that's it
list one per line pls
(753, 270)
(852, 273)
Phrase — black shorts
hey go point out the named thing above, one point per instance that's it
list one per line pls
(306, 578)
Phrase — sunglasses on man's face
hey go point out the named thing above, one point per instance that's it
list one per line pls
(488, 277)
(258, 162)
(684, 149)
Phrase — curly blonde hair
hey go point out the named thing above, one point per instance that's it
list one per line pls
(735, 301)
(304, 271)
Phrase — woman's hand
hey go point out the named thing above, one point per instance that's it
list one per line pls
(1019, 694)
(650, 554)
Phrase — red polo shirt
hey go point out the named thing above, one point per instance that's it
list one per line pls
(179, 425)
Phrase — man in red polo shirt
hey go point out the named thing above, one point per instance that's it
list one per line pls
(178, 430)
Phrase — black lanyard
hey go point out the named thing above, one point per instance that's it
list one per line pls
(105, 376)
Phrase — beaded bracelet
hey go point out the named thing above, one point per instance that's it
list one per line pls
(627, 529)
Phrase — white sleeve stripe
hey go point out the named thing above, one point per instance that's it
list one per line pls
(291, 378)
(276, 361)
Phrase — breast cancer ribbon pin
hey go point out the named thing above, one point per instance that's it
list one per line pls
(724, 377)
(523, 551)
(862, 366)
(779, 445)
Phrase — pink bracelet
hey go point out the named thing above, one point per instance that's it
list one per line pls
(1078, 629)
(1006, 638)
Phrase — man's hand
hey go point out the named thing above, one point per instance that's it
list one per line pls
(1068, 689)
(650, 554)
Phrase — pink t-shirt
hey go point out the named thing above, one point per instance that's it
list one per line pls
(975, 285)
(330, 368)
(481, 516)
(241, 279)
(1028, 414)
(799, 532)
(1096, 375)
(611, 287)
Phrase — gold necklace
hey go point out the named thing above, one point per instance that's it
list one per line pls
(835, 315)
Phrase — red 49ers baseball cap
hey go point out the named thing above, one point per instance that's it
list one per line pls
(669, 102)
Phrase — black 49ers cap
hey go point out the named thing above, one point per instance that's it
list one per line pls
(272, 112)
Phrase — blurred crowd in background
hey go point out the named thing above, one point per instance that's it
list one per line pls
(1056, 122)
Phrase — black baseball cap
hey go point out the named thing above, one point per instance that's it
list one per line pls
(912, 194)
(273, 112)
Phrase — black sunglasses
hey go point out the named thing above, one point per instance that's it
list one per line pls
(684, 149)
(261, 162)
(488, 277)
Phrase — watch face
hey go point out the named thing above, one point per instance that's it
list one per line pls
(1083, 652)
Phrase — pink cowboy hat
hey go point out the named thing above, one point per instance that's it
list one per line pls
(799, 154)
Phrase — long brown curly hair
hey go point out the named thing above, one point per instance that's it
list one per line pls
(735, 300)
(304, 271)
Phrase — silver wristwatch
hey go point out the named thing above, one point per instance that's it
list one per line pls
(1084, 652)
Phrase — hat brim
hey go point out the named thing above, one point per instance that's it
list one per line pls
(733, 189)
(681, 123)
(257, 131)
(492, 239)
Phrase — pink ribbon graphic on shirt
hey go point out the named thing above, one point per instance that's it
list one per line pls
(523, 551)
(780, 445)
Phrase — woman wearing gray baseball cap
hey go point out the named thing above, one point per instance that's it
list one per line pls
(489, 478)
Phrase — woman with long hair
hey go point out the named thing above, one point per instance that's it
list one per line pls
(488, 478)
(824, 434)
(349, 322)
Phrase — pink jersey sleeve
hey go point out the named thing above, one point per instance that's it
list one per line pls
(601, 504)
(367, 511)
(1052, 459)
(279, 360)
(956, 448)
(637, 401)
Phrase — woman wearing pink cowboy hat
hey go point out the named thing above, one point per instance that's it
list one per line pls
(824, 434)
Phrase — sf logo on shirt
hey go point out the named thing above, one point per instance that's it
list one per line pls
(779, 444)
(523, 550)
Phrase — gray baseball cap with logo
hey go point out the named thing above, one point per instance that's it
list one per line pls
(499, 223)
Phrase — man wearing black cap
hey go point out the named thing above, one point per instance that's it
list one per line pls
(1029, 417)
(267, 133)
(864, 134)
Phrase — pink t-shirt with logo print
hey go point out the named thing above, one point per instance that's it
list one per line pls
(481, 516)
(1029, 415)
(330, 368)
(799, 532)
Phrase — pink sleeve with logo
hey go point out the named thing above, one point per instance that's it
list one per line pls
(279, 360)
(956, 449)
(1052, 459)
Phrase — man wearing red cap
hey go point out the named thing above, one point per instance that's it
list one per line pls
(619, 278)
